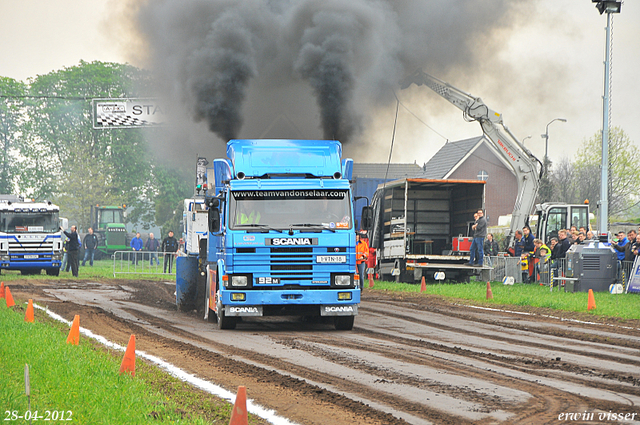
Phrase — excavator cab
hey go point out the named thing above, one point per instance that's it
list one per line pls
(555, 216)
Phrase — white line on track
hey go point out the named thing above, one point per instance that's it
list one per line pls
(266, 414)
(548, 316)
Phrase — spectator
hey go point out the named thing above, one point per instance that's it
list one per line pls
(563, 243)
(528, 239)
(619, 245)
(362, 253)
(635, 247)
(574, 235)
(581, 238)
(65, 256)
(539, 245)
(544, 264)
(169, 247)
(90, 244)
(628, 249)
(152, 246)
(136, 244)
(476, 254)
(590, 236)
(518, 244)
(72, 249)
(491, 248)
(553, 247)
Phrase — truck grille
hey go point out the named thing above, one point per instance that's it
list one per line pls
(27, 247)
(293, 266)
(294, 263)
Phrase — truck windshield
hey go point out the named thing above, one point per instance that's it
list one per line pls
(21, 222)
(110, 216)
(282, 209)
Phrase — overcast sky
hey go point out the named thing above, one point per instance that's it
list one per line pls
(550, 65)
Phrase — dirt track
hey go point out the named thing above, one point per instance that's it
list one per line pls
(410, 358)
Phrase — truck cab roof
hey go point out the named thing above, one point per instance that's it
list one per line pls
(274, 158)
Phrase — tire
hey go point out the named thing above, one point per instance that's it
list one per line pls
(344, 323)
(225, 322)
(201, 287)
(53, 272)
(211, 315)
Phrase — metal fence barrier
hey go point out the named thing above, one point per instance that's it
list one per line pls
(144, 262)
(548, 273)
(503, 267)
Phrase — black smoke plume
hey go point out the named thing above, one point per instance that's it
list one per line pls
(222, 58)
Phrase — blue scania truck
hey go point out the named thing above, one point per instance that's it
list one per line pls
(281, 235)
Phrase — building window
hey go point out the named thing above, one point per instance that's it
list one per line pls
(483, 175)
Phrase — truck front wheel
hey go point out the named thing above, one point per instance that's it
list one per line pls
(225, 322)
(344, 323)
(53, 272)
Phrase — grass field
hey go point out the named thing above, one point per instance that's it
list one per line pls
(83, 382)
(102, 269)
(626, 306)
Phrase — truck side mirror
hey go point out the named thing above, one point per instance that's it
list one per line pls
(214, 220)
(366, 219)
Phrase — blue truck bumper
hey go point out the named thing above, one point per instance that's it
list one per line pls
(22, 265)
(332, 302)
(291, 297)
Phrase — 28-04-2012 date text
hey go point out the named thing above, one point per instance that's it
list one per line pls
(48, 415)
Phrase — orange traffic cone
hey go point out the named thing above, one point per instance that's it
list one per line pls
(74, 333)
(129, 359)
(370, 280)
(1, 289)
(489, 293)
(239, 413)
(28, 317)
(8, 297)
(423, 285)
(591, 303)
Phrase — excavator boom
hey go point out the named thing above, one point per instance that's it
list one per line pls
(526, 167)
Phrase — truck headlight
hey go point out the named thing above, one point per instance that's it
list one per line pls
(342, 280)
(239, 280)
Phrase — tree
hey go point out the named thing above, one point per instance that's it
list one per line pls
(11, 127)
(65, 158)
(624, 175)
(173, 187)
(562, 179)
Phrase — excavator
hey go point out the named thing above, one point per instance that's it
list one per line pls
(552, 216)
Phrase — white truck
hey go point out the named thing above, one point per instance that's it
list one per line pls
(30, 237)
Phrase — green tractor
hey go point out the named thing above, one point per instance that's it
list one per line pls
(108, 225)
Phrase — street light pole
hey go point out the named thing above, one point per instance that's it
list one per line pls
(546, 143)
(603, 221)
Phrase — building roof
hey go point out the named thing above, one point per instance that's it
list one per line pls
(378, 171)
(450, 155)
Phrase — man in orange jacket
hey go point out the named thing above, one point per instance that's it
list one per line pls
(362, 253)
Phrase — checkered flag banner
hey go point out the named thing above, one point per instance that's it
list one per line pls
(127, 113)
